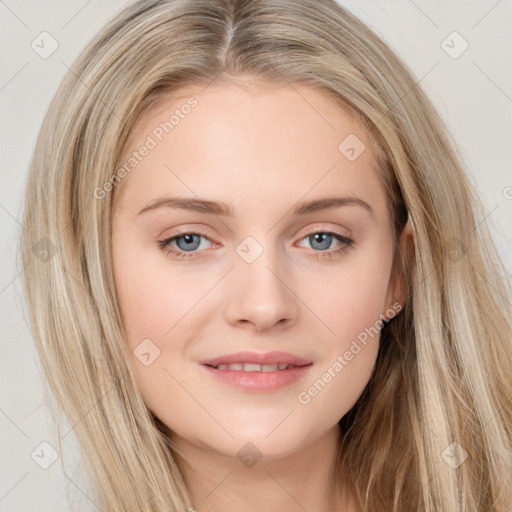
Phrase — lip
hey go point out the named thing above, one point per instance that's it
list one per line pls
(257, 358)
(258, 381)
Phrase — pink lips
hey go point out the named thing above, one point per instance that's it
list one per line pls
(258, 381)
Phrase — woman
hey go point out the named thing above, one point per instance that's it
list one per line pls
(257, 370)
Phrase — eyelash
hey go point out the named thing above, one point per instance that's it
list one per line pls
(346, 243)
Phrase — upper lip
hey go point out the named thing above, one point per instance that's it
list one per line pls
(257, 358)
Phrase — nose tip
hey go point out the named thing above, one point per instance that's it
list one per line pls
(260, 299)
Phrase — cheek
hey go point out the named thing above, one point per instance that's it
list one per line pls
(352, 297)
(157, 306)
(349, 352)
(153, 299)
(154, 305)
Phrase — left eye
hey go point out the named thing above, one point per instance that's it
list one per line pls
(321, 237)
(190, 242)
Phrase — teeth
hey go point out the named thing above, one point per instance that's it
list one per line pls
(252, 367)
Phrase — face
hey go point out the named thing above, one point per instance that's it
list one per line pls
(272, 273)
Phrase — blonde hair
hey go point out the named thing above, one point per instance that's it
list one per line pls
(443, 374)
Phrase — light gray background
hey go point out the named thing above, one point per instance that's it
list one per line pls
(472, 92)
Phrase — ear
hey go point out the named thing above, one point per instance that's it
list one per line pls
(397, 286)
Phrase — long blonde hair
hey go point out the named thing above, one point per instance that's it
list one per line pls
(443, 374)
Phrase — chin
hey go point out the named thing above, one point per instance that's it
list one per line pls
(269, 443)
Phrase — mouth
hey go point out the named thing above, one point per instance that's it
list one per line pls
(257, 372)
(256, 361)
(253, 367)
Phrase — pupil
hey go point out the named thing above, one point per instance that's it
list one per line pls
(318, 238)
(189, 241)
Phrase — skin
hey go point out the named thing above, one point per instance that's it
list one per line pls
(262, 149)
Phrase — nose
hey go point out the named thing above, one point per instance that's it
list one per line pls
(261, 296)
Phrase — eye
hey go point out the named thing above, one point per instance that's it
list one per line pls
(321, 239)
(186, 242)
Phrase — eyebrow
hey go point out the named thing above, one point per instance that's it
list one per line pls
(222, 208)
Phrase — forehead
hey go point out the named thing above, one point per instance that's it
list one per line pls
(250, 141)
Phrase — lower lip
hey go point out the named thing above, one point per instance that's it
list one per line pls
(259, 381)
